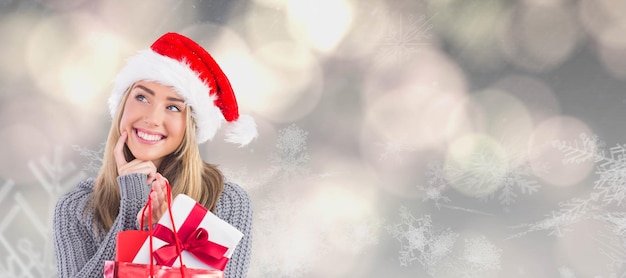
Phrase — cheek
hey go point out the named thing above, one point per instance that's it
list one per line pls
(177, 128)
(125, 120)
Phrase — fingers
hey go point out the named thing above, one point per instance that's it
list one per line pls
(118, 151)
(159, 207)
(139, 166)
(136, 166)
(159, 187)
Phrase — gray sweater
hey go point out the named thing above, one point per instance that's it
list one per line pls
(81, 252)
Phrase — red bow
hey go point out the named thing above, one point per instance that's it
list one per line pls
(195, 242)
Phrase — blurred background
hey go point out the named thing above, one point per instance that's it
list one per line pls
(406, 138)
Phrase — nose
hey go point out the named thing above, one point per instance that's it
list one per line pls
(153, 117)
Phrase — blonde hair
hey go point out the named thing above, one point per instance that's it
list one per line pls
(184, 168)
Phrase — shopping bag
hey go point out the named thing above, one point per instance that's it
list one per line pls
(129, 242)
(114, 269)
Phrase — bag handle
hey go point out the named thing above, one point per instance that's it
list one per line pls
(176, 238)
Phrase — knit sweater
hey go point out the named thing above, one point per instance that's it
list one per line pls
(81, 252)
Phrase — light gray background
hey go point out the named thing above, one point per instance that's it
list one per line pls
(397, 138)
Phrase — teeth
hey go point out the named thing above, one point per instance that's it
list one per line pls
(149, 137)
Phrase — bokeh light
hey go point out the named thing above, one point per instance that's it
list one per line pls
(290, 82)
(472, 28)
(548, 162)
(478, 119)
(321, 24)
(504, 118)
(540, 37)
(537, 98)
(82, 64)
(12, 29)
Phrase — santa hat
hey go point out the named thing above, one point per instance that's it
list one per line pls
(177, 61)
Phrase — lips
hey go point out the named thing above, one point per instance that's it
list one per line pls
(147, 136)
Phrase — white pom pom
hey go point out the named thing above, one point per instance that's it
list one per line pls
(242, 131)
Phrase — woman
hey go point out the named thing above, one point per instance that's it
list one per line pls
(165, 101)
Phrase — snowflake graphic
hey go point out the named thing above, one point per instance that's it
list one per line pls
(393, 150)
(489, 175)
(94, 157)
(419, 242)
(404, 39)
(482, 175)
(481, 255)
(478, 257)
(32, 255)
(608, 190)
(589, 147)
(290, 159)
(617, 223)
(615, 254)
(436, 184)
(288, 162)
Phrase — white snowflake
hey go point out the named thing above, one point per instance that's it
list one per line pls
(393, 150)
(94, 157)
(436, 184)
(419, 242)
(608, 190)
(483, 172)
(588, 147)
(617, 223)
(405, 38)
(615, 254)
(489, 171)
(437, 253)
(481, 255)
(291, 159)
(33, 255)
(478, 258)
(611, 185)
(558, 222)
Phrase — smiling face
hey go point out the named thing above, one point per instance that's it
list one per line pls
(154, 118)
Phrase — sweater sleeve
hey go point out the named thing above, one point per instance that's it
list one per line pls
(79, 250)
(234, 206)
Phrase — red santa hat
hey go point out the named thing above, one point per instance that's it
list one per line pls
(177, 61)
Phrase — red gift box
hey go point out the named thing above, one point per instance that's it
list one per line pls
(206, 241)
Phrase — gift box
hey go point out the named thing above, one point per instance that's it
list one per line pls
(207, 242)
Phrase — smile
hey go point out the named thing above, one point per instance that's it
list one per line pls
(148, 136)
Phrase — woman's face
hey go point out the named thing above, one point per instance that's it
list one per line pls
(154, 118)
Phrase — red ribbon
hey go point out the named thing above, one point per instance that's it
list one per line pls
(193, 240)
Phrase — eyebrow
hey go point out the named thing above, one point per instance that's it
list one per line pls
(149, 91)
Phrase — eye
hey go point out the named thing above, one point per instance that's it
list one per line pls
(141, 98)
(174, 108)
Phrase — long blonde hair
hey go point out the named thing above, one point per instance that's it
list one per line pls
(184, 168)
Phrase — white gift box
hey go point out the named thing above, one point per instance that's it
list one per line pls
(190, 217)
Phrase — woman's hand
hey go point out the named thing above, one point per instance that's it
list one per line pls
(158, 197)
(136, 166)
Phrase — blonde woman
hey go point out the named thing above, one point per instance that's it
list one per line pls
(165, 101)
